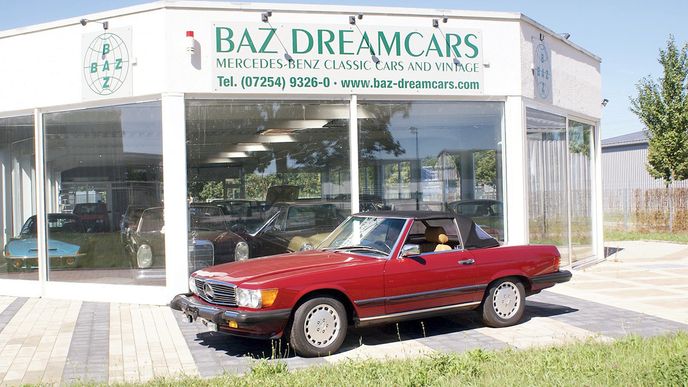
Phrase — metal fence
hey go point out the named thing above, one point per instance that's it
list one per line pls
(646, 209)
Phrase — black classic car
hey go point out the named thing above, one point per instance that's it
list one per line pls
(243, 212)
(210, 240)
(292, 226)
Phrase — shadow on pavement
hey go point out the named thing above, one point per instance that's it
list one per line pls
(371, 336)
(608, 250)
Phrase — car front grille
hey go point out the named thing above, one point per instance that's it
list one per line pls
(201, 255)
(223, 294)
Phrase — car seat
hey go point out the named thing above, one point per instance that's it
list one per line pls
(435, 239)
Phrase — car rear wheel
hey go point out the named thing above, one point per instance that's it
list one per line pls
(504, 303)
(319, 327)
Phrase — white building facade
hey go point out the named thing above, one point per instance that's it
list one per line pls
(489, 114)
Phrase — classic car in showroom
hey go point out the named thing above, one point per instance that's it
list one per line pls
(68, 243)
(94, 216)
(375, 268)
(210, 240)
(292, 226)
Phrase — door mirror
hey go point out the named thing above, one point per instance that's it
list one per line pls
(410, 249)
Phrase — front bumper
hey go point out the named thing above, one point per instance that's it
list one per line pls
(31, 263)
(262, 324)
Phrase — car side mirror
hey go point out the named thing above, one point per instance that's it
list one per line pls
(410, 249)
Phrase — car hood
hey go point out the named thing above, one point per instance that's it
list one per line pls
(215, 235)
(284, 265)
(28, 248)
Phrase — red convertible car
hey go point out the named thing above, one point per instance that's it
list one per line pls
(375, 268)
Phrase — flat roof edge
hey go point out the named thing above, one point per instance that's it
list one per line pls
(292, 8)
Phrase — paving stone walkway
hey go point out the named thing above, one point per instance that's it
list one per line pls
(58, 341)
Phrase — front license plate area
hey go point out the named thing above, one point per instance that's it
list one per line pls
(209, 324)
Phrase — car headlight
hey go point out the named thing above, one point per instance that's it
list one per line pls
(144, 257)
(241, 251)
(255, 299)
(192, 285)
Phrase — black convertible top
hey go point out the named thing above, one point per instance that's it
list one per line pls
(473, 236)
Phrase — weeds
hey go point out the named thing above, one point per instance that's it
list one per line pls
(631, 361)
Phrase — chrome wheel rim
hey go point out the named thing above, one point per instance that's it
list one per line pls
(322, 325)
(506, 300)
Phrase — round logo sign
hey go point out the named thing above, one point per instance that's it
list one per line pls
(543, 72)
(106, 63)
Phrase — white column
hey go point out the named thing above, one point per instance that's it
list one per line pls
(5, 195)
(174, 184)
(41, 218)
(353, 153)
(516, 171)
(597, 207)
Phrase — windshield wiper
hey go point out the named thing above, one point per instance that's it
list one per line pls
(359, 247)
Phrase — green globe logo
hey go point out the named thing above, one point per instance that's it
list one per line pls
(106, 64)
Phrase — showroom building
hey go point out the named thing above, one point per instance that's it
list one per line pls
(141, 143)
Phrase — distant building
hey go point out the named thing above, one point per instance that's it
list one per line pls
(623, 164)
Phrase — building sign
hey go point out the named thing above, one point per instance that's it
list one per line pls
(542, 62)
(347, 59)
(106, 66)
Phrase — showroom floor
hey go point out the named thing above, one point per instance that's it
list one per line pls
(52, 341)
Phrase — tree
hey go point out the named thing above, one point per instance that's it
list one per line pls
(663, 107)
(212, 190)
(486, 167)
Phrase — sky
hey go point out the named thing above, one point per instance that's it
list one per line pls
(626, 34)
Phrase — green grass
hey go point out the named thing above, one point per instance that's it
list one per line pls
(632, 361)
(616, 235)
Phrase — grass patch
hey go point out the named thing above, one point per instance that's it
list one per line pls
(632, 361)
(616, 235)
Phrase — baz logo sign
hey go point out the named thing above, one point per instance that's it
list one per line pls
(542, 71)
(366, 59)
(106, 69)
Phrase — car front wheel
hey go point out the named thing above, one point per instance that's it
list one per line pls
(319, 327)
(504, 303)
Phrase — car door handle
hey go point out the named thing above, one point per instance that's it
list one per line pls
(466, 262)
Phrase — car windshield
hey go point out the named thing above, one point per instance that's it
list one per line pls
(365, 235)
(207, 218)
(56, 224)
(151, 220)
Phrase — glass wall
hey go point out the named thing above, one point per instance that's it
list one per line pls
(103, 173)
(433, 156)
(560, 184)
(278, 172)
(580, 157)
(17, 192)
(548, 184)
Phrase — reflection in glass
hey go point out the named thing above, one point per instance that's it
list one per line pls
(278, 170)
(17, 192)
(580, 160)
(547, 200)
(104, 170)
(433, 156)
